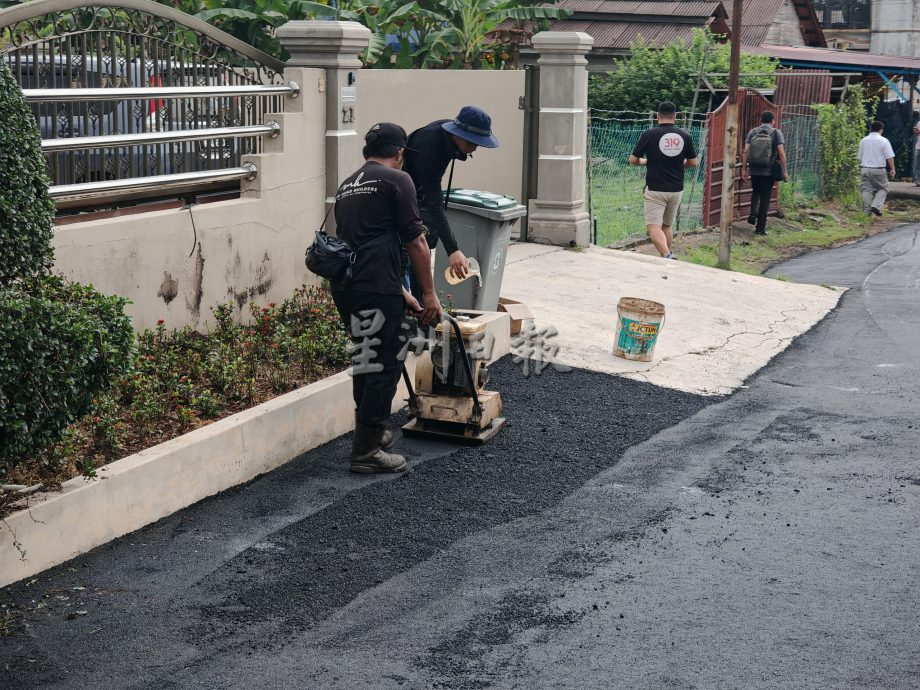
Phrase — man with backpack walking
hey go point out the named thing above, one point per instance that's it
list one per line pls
(763, 162)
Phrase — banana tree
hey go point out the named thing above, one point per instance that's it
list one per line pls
(255, 21)
(473, 30)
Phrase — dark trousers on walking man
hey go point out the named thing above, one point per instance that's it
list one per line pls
(761, 192)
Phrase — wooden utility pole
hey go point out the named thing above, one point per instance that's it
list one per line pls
(730, 150)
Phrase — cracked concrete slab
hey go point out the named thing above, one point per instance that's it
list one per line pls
(720, 328)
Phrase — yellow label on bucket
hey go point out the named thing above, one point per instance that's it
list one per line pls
(643, 330)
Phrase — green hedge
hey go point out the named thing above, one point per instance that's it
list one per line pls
(60, 344)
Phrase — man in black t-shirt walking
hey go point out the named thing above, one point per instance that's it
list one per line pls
(666, 150)
(376, 213)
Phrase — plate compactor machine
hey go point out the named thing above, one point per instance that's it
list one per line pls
(449, 400)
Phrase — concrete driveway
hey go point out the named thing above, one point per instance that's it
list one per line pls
(721, 327)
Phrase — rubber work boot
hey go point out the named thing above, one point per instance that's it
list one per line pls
(368, 455)
(387, 436)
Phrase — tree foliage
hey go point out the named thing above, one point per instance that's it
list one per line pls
(840, 129)
(651, 74)
(420, 33)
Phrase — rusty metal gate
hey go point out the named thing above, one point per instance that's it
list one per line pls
(750, 107)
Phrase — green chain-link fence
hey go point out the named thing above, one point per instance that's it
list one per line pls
(800, 127)
(616, 188)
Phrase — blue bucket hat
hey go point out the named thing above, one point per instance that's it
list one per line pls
(474, 125)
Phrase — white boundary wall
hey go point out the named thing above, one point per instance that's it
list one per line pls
(413, 98)
(248, 248)
(252, 248)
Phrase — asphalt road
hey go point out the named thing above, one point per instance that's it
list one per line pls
(616, 535)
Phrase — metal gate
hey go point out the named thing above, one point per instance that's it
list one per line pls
(131, 95)
(750, 107)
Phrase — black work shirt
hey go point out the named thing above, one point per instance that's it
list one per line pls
(377, 200)
(665, 147)
(429, 151)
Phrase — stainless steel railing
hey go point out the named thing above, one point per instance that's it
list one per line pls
(270, 129)
(291, 89)
(72, 194)
(114, 190)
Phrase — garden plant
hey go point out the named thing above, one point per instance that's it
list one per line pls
(61, 343)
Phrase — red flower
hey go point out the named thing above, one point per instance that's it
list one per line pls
(160, 322)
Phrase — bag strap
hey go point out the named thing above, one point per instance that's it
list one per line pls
(326, 217)
(450, 181)
(353, 256)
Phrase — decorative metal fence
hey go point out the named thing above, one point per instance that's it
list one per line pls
(133, 90)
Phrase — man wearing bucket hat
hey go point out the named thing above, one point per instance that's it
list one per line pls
(429, 151)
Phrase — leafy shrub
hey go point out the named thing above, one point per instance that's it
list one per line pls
(26, 210)
(840, 129)
(182, 379)
(652, 74)
(60, 344)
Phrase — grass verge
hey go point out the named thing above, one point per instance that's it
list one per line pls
(818, 225)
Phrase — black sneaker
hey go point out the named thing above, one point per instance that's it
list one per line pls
(875, 211)
(760, 232)
(751, 220)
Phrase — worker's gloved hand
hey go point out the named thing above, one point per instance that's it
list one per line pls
(459, 264)
(431, 309)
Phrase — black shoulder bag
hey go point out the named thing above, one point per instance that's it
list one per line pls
(776, 168)
(332, 258)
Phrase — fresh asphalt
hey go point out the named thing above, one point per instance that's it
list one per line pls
(615, 535)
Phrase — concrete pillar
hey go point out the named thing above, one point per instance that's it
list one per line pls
(558, 215)
(335, 47)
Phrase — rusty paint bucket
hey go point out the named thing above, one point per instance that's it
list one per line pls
(639, 321)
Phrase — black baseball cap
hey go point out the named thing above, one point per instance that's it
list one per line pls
(387, 133)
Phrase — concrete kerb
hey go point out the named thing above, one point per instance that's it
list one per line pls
(151, 484)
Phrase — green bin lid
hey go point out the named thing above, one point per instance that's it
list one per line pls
(470, 197)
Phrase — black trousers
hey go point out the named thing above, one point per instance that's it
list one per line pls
(375, 324)
(761, 191)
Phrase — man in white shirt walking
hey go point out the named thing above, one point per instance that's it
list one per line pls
(875, 154)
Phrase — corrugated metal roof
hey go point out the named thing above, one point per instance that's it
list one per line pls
(619, 35)
(652, 8)
(848, 60)
(614, 24)
(756, 19)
